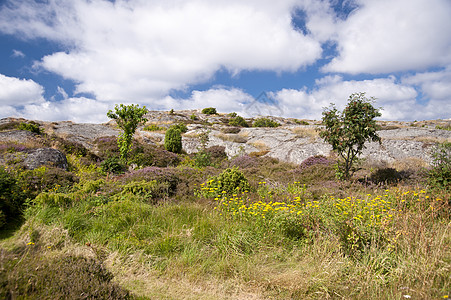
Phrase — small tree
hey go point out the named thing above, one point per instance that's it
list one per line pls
(348, 131)
(127, 117)
(173, 140)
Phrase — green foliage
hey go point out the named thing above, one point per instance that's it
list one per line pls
(348, 131)
(265, 122)
(182, 127)
(153, 127)
(127, 117)
(233, 114)
(171, 112)
(230, 181)
(440, 174)
(193, 117)
(209, 111)
(238, 121)
(173, 140)
(52, 199)
(146, 191)
(301, 122)
(444, 127)
(112, 165)
(32, 127)
(42, 179)
(11, 197)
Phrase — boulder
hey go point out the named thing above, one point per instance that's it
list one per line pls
(45, 156)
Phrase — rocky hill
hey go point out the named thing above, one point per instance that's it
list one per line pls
(293, 141)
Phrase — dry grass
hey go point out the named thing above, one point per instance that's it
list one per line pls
(306, 132)
(234, 138)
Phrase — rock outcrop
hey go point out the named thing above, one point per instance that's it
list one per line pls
(45, 156)
(290, 142)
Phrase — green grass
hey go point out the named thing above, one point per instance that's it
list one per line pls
(293, 235)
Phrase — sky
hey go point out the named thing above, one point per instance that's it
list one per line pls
(75, 59)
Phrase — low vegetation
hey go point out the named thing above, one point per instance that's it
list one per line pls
(265, 122)
(203, 226)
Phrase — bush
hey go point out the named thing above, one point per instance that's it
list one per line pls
(166, 176)
(52, 200)
(440, 174)
(385, 176)
(209, 111)
(182, 127)
(230, 181)
(32, 127)
(233, 114)
(265, 122)
(153, 127)
(238, 121)
(127, 117)
(11, 197)
(173, 140)
(112, 165)
(193, 117)
(44, 179)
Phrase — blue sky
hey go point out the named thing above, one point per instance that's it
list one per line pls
(75, 59)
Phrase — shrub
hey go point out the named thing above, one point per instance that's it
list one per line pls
(193, 117)
(440, 174)
(70, 147)
(43, 179)
(348, 131)
(209, 111)
(112, 165)
(314, 160)
(11, 197)
(107, 146)
(182, 127)
(9, 125)
(153, 127)
(265, 122)
(173, 140)
(244, 161)
(32, 127)
(238, 121)
(127, 117)
(230, 181)
(161, 175)
(385, 175)
(52, 200)
(145, 190)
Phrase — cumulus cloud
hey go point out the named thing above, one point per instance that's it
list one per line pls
(223, 99)
(388, 36)
(397, 100)
(143, 49)
(15, 91)
(82, 110)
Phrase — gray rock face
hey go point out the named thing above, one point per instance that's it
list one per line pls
(45, 156)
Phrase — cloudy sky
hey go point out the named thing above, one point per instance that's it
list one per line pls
(75, 59)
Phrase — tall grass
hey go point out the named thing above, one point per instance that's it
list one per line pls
(285, 237)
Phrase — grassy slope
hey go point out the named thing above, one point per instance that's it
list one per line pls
(319, 240)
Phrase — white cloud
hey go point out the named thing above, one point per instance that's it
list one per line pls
(398, 100)
(223, 99)
(15, 91)
(81, 110)
(387, 36)
(143, 49)
(18, 53)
